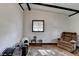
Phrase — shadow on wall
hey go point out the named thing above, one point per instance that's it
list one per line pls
(78, 40)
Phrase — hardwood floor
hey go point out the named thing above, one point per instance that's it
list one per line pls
(43, 46)
(76, 52)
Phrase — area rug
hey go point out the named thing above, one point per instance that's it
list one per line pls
(39, 51)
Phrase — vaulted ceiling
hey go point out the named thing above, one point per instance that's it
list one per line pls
(69, 9)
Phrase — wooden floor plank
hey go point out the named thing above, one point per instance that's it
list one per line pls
(76, 52)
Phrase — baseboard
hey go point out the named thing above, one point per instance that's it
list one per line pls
(43, 43)
(49, 43)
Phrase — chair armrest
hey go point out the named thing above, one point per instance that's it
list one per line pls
(73, 41)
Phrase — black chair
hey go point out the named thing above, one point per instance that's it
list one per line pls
(25, 48)
(34, 40)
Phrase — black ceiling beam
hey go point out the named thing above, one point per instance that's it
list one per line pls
(28, 6)
(73, 14)
(21, 6)
(54, 6)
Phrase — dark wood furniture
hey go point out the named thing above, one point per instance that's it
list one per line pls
(40, 42)
(37, 42)
(34, 40)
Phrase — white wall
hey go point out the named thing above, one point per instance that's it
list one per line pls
(74, 25)
(54, 24)
(10, 25)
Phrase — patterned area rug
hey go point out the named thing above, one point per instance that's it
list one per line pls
(39, 51)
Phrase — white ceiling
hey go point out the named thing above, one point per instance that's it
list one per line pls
(68, 5)
(44, 8)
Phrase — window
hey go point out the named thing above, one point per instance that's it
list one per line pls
(37, 25)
